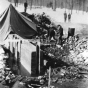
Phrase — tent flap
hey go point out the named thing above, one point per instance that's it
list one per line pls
(4, 27)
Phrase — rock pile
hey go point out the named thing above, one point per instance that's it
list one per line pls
(79, 56)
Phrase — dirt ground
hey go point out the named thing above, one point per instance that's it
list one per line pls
(78, 83)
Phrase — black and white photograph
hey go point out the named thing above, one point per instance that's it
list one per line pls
(43, 43)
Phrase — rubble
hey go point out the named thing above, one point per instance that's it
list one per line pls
(66, 74)
(79, 56)
(60, 74)
(76, 58)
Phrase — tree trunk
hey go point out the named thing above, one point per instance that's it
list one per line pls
(72, 7)
(54, 5)
(31, 4)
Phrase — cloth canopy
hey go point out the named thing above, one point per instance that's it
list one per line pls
(13, 21)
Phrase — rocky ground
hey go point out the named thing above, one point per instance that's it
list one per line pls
(64, 76)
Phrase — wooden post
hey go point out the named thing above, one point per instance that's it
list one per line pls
(16, 51)
(20, 56)
(49, 77)
(9, 54)
(39, 56)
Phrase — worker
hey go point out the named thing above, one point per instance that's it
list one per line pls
(25, 6)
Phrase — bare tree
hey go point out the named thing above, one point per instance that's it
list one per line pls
(62, 5)
(65, 5)
(72, 4)
(77, 4)
(84, 1)
(31, 4)
(80, 4)
(54, 5)
(78, 1)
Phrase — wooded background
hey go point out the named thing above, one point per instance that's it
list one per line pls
(69, 4)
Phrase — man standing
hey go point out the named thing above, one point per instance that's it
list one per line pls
(16, 2)
(25, 6)
(65, 16)
(69, 17)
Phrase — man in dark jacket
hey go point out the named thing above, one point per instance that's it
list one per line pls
(69, 17)
(60, 33)
(16, 2)
(65, 16)
(25, 6)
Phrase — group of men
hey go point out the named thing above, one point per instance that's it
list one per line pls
(67, 16)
